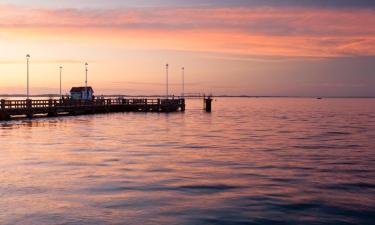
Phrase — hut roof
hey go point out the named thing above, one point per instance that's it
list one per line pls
(81, 89)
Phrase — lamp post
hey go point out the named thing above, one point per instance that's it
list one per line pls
(166, 68)
(60, 81)
(183, 81)
(86, 64)
(27, 71)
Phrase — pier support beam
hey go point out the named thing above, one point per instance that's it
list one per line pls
(182, 105)
(72, 113)
(4, 116)
(29, 108)
(3, 104)
(52, 114)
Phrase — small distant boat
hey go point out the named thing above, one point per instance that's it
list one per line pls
(319, 98)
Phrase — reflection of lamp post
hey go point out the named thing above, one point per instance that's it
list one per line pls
(27, 59)
(166, 67)
(86, 64)
(183, 81)
(60, 81)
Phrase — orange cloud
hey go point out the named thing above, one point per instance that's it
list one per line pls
(244, 32)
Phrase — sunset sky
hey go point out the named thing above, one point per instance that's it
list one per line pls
(252, 47)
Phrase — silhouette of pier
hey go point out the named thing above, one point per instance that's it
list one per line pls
(58, 107)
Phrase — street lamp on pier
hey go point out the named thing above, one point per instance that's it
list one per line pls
(86, 64)
(60, 81)
(183, 81)
(166, 70)
(27, 71)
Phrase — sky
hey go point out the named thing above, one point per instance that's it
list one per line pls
(238, 47)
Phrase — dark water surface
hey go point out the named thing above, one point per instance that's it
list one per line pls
(252, 161)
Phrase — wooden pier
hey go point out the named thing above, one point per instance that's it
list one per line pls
(56, 107)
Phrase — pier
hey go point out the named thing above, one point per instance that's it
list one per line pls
(59, 107)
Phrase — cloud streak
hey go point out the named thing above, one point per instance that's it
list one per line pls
(263, 31)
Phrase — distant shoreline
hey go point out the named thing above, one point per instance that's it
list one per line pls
(191, 96)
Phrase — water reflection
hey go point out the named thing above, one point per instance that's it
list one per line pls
(252, 161)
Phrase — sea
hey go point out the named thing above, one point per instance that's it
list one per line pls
(251, 161)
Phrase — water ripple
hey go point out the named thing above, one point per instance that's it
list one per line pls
(251, 161)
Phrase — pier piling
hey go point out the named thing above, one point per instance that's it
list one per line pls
(207, 103)
(2, 104)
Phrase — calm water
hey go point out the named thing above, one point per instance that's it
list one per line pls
(252, 161)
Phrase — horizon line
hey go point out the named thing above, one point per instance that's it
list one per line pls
(197, 96)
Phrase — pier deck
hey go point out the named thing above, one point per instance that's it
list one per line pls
(56, 107)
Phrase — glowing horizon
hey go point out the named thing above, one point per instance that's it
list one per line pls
(261, 50)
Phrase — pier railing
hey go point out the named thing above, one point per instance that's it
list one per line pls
(54, 107)
(24, 104)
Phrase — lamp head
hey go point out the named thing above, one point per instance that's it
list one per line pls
(27, 56)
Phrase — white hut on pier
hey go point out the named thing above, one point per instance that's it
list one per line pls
(82, 93)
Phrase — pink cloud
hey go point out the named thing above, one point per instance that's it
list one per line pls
(294, 32)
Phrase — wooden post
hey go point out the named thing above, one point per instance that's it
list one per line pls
(29, 103)
(208, 104)
(182, 105)
(52, 114)
(29, 106)
(2, 103)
